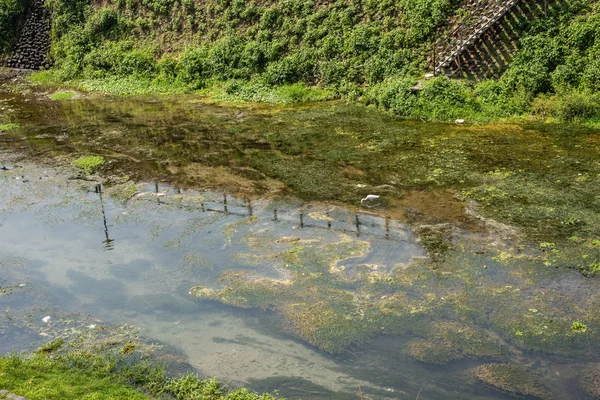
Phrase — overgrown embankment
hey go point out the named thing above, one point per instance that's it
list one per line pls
(285, 50)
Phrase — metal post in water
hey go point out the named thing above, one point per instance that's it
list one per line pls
(357, 225)
(301, 220)
(225, 209)
(275, 215)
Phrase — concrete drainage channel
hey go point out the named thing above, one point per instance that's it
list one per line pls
(33, 39)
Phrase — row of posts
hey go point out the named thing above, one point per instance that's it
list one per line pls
(109, 243)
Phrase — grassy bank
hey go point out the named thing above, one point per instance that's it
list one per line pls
(83, 374)
(287, 51)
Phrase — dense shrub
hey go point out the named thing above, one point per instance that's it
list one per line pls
(10, 13)
(287, 41)
(374, 50)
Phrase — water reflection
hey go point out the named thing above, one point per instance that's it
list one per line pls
(108, 242)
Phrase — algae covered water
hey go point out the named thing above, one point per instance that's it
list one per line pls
(233, 236)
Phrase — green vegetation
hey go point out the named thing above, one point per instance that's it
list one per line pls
(89, 164)
(10, 13)
(62, 96)
(8, 127)
(290, 51)
(554, 75)
(82, 374)
(41, 377)
(579, 327)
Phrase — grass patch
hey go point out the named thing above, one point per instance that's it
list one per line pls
(258, 91)
(85, 375)
(129, 85)
(62, 96)
(42, 377)
(89, 164)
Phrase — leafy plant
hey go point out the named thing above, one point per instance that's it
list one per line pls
(8, 127)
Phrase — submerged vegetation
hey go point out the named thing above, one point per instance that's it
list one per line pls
(513, 379)
(331, 299)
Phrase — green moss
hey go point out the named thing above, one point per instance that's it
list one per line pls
(89, 164)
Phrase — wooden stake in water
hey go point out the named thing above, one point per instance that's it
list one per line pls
(108, 242)
(387, 227)
(249, 203)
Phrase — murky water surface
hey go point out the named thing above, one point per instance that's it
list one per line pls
(235, 237)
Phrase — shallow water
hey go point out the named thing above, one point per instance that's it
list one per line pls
(216, 207)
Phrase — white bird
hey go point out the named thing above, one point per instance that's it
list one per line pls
(370, 197)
